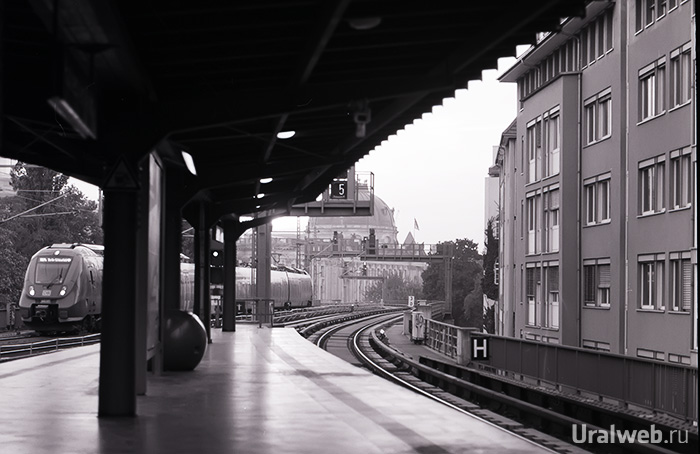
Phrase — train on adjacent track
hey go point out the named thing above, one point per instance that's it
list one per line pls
(63, 288)
(289, 287)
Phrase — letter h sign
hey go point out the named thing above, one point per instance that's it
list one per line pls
(480, 348)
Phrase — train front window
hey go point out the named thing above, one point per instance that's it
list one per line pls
(52, 270)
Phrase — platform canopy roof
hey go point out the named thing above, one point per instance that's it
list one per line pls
(220, 78)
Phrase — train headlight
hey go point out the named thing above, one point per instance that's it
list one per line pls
(63, 291)
(31, 290)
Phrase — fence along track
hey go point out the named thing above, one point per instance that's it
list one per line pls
(393, 365)
(26, 350)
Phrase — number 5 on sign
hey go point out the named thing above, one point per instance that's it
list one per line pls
(339, 190)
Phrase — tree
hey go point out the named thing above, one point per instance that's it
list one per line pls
(44, 211)
(13, 266)
(489, 284)
(393, 289)
(473, 315)
(466, 264)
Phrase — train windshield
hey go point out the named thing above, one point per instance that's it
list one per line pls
(52, 270)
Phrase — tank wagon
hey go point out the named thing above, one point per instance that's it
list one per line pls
(289, 287)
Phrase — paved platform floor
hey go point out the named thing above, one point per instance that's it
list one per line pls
(257, 390)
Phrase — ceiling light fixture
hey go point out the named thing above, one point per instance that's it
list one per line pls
(364, 23)
(285, 134)
(260, 196)
(265, 180)
(189, 162)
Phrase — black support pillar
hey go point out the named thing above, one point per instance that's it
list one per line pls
(202, 301)
(230, 237)
(117, 382)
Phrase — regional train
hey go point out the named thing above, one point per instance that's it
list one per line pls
(63, 288)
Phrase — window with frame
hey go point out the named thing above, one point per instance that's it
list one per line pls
(681, 178)
(651, 90)
(590, 191)
(551, 220)
(651, 282)
(597, 117)
(651, 185)
(550, 314)
(649, 11)
(681, 282)
(533, 292)
(604, 200)
(589, 119)
(533, 223)
(597, 38)
(534, 150)
(597, 199)
(596, 282)
(552, 146)
(681, 76)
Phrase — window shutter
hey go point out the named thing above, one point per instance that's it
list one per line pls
(589, 284)
(687, 283)
(555, 199)
(553, 279)
(604, 276)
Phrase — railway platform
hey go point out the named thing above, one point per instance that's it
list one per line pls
(257, 390)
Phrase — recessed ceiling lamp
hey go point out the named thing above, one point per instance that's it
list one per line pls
(285, 134)
(265, 180)
(260, 196)
(364, 23)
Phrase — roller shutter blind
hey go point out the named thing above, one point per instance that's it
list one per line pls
(604, 276)
(687, 292)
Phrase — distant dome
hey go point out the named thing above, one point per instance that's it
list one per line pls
(382, 221)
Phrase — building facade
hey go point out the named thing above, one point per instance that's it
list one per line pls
(598, 182)
(330, 250)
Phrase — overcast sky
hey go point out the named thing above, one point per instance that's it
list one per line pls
(433, 171)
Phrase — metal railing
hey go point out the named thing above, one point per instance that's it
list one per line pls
(17, 351)
(657, 386)
(648, 384)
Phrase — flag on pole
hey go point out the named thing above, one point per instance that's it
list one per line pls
(415, 224)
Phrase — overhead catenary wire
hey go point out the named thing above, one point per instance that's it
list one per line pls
(32, 209)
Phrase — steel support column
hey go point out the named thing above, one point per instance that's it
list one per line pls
(229, 304)
(202, 300)
(263, 236)
(117, 383)
(170, 251)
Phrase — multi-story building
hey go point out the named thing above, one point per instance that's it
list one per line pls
(598, 182)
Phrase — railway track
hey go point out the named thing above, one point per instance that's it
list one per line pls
(535, 423)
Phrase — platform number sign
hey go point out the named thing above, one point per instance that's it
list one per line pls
(411, 301)
(339, 190)
(480, 348)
